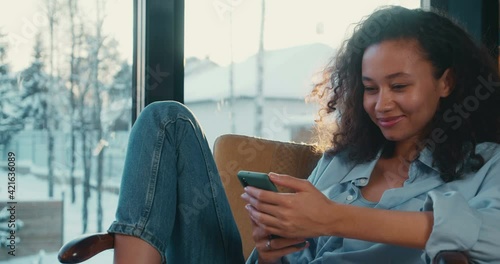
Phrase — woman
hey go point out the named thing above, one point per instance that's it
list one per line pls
(413, 169)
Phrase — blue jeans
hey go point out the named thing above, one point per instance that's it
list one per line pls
(171, 195)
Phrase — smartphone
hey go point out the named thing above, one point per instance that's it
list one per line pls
(256, 179)
(260, 180)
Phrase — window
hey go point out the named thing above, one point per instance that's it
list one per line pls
(65, 115)
(223, 58)
(66, 100)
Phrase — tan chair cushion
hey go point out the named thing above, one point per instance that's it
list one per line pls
(233, 153)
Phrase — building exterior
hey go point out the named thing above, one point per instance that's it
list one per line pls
(288, 77)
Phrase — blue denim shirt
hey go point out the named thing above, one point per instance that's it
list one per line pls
(466, 212)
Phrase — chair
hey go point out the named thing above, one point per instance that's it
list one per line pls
(233, 153)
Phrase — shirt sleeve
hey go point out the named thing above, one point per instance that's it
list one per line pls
(318, 170)
(470, 226)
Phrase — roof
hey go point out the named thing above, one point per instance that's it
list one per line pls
(287, 74)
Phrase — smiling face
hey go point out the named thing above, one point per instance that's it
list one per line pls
(401, 94)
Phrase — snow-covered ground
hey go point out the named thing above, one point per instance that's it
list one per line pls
(29, 187)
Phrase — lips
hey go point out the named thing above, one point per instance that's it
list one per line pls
(389, 121)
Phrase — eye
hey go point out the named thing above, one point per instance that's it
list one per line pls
(369, 89)
(399, 86)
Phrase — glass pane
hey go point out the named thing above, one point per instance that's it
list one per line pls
(65, 116)
(222, 40)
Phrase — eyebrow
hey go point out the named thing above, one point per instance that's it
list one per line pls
(389, 77)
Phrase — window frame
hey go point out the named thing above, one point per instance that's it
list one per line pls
(158, 56)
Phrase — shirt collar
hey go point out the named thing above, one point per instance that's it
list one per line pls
(356, 171)
(425, 157)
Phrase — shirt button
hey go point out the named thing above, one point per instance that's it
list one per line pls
(362, 181)
(349, 197)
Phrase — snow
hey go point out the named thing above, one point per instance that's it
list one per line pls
(30, 187)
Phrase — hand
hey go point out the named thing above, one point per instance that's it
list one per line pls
(303, 214)
(271, 250)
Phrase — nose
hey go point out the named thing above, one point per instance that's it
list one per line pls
(385, 101)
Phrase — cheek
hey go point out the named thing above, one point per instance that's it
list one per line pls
(367, 104)
(426, 101)
(422, 107)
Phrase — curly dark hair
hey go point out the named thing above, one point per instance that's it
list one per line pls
(447, 46)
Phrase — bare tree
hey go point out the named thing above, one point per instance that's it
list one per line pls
(93, 63)
(103, 57)
(53, 8)
(76, 43)
(85, 127)
(259, 97)
(96, 48)
(80, 99)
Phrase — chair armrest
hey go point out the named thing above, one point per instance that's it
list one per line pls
(85, 247)
(451, 257)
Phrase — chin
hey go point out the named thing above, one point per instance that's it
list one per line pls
(397, 137)
(393, 137)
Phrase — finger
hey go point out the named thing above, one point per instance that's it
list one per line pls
(277, 253)
(279, 243)
(269, 223)
(275, 229)
(263, 195)
(290, 182)
(263, 220)
(258, 233)
(261, 206)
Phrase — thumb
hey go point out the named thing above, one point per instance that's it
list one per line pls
(289, 182)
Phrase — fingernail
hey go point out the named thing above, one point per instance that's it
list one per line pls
(247, 207)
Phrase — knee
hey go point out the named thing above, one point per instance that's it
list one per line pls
(162, 108)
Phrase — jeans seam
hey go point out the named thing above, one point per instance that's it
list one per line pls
(211, 181)
(160, 139)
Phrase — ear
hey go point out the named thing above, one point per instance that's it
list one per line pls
(446, 83)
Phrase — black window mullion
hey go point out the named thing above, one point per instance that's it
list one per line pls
(164, 52)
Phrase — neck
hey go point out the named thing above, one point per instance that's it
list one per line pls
(406, 149)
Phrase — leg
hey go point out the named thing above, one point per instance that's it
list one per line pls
(171, 194)
(130, 249)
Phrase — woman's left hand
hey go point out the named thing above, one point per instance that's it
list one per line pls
(303, 214)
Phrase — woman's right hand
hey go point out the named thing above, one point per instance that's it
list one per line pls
(272, 249)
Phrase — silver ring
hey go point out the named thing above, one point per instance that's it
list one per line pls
(268, 244)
